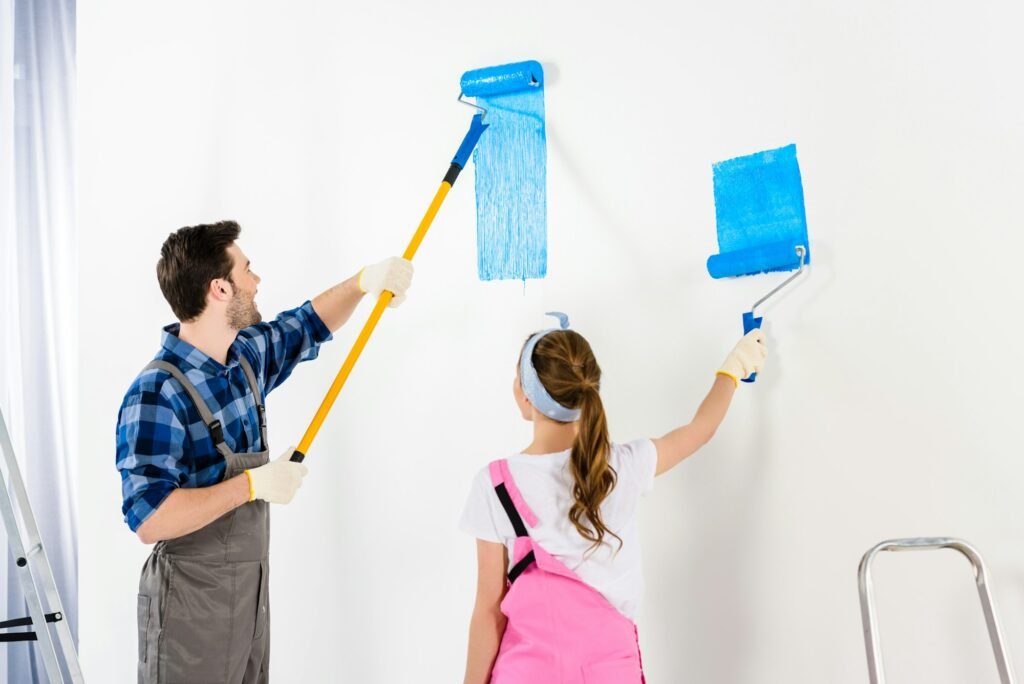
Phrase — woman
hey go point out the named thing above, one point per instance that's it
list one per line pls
(559, 577)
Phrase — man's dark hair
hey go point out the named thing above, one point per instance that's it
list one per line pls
(190, 259)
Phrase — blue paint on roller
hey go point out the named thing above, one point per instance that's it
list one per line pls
(759, 211)
(502, 80)
(780, 256)
(510, 171)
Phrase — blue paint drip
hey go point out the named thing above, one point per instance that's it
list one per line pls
(511, 185)
(759, 210)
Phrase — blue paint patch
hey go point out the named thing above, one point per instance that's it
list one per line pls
(759, 211)
(511, 175)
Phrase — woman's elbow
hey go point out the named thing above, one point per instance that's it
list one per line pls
(707, 434)
(705, 429)
(489, 611)
(490, 618)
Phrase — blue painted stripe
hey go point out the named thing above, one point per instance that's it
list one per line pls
(511, 185)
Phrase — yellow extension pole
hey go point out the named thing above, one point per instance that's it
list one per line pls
(368, 327)
(476, 129)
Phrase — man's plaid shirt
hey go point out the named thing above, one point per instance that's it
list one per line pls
(162, 442)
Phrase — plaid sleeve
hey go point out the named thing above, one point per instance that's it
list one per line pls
(280, 345)
(150, 451)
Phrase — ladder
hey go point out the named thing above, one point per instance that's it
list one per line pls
(867, 607)
(34, 573)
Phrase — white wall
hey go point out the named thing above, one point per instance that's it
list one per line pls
(890, 406)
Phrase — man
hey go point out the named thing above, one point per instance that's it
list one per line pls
(192, 453)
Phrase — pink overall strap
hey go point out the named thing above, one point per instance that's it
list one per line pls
(501, 478)
(516, 509)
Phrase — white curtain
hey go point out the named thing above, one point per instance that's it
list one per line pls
(37, 292)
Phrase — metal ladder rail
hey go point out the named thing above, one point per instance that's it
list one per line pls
(870, 620)
(29, 556)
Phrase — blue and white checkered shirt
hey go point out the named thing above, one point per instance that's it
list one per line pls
(162, 442)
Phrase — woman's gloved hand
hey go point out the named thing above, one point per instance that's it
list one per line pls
(746, 358)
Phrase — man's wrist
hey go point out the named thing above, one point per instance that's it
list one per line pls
(241, 489)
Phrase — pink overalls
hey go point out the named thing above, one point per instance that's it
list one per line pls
(560, 630)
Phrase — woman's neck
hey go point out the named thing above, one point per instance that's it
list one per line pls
(550, 437)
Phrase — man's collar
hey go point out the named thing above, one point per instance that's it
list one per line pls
(187, 357)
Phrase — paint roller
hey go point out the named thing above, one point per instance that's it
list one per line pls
(501, 80)
(497, 80)
(762, 226)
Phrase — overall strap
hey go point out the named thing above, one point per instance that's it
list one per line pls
(255, 387)
(516, 509)
(214, 426)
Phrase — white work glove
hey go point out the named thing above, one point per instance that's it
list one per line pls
(394, 274)
(276, 481)
(746, 358)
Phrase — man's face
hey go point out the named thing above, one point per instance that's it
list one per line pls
(242, 311)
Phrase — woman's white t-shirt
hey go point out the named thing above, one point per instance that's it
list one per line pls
(546, 484)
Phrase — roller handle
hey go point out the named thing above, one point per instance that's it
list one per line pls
(751, 322)
(297, 456)
(476, 129)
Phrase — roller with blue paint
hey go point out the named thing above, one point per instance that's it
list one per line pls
(491, 82)
(761, 222)
(502, 80)
(510, 171)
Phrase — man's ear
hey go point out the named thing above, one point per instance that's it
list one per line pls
(220, 289)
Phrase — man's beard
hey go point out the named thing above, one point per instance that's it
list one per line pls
(242, 311)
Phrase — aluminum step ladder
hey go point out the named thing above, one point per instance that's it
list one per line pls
(867, 605)
(34, 573)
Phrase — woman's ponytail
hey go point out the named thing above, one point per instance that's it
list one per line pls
(567, 368)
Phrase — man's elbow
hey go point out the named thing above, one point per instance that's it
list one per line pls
(147, 534)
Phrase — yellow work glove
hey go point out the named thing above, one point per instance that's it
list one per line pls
(746, 358)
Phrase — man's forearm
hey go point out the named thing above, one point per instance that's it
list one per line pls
(335, 306)
(187, 510)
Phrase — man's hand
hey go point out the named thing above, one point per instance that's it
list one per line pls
(277, 481)
(394, 275)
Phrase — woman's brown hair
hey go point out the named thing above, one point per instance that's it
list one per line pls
(567, 368)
